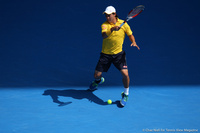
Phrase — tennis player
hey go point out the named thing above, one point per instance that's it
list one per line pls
(112, 53)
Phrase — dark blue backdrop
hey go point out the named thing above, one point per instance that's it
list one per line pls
(57, 43)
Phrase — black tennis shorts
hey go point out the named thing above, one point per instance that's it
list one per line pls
(105, 61)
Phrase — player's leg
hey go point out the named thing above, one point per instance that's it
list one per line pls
(102, 66)
(97, 76)
(125, 79)
(98, 80)
(121, 64)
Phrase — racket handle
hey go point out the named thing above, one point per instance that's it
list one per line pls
(122, 24)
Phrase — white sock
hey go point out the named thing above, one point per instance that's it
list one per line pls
(126, 91)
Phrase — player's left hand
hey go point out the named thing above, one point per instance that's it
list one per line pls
(135, 45)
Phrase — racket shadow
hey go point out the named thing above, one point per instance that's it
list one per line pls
(76, 94)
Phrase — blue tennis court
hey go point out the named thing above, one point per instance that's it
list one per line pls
(73, 109)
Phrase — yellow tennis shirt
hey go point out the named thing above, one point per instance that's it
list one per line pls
(114, 42)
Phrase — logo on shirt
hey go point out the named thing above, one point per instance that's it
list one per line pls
(104, 27)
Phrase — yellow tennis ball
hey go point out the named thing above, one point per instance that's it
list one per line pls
(109, 101)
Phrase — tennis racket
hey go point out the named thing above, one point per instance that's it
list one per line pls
(133, 13)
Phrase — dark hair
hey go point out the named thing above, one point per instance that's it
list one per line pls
(116, 15)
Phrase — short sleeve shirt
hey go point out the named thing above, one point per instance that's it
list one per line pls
(114, 42)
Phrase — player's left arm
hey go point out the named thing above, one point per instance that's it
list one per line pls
(130, 35)
(132, 39)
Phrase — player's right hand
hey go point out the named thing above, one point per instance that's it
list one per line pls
(116, 28)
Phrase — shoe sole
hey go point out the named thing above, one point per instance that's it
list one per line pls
(121, 103)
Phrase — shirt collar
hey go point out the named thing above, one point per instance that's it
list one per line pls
(116, 22)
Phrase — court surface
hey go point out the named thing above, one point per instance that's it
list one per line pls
(75, 110)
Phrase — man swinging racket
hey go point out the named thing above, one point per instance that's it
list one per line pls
(113, 34)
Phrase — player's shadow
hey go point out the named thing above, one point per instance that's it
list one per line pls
(76, 94)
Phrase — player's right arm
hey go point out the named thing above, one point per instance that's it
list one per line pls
(106, 31)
